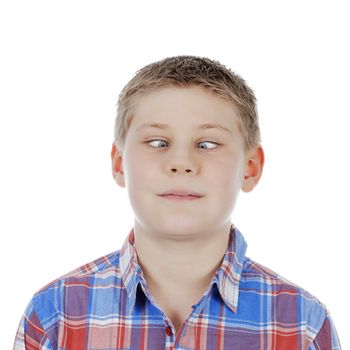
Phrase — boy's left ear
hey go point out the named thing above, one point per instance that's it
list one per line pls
(254, 165)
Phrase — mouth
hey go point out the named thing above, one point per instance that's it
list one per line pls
(176, 197)
(182, 195)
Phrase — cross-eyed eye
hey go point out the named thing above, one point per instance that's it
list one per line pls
(149, 142)
(213, 143)
(202, 142)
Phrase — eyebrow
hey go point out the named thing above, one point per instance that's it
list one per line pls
(165, 127)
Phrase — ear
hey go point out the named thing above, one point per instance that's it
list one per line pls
(254, 164)
(117, 165)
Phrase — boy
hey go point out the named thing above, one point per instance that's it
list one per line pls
(187, 140)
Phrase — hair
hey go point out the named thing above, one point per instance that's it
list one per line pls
(182, 71)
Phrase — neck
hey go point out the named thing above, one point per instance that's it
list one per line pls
(189, 262)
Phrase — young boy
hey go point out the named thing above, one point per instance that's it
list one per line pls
(187, 140)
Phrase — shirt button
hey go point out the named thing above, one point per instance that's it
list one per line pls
(168, 331)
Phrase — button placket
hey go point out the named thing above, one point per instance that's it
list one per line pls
(168, 331)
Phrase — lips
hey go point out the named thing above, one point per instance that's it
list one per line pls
(180, 198)
(184, 193)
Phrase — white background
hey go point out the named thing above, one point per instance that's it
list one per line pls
(63, 64)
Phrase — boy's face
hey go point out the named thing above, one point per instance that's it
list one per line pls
(182, 156)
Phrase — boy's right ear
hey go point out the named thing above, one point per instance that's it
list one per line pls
(117, 165)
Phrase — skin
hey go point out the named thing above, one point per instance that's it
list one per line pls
(180, 244)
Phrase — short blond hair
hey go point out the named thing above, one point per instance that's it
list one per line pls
(182, 71)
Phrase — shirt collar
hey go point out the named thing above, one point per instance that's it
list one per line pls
(226, 278)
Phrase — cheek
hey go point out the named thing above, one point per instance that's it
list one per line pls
(140, 172)
(226, 176)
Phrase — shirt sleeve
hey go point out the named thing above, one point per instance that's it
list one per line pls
(327, 337)
(30, 333)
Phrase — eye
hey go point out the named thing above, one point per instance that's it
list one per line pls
(149, 142)
(202, 142)
(213, 143)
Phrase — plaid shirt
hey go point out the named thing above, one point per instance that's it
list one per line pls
(106, 305)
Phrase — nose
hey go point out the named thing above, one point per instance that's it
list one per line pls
(179, 170)
(181, 159)
(182, 165)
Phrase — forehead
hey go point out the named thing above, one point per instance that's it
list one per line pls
(191, 106)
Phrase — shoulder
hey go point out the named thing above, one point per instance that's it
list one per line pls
(254, 271)
(291, 302)
(98, 268)
(75, 286)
